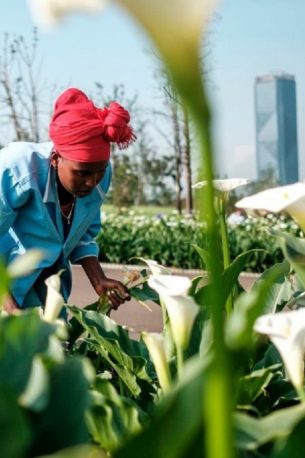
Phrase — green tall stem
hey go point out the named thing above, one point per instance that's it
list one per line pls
(225, 245)
(179, 353)
(217, 407)
(301, 394)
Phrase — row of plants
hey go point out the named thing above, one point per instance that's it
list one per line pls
(170, 239)
(84, 388)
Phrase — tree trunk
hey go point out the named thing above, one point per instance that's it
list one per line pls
(187, 163)
(178, 153)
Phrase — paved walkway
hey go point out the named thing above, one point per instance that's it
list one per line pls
(131, 314)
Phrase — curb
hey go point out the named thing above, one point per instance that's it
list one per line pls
(173, 270)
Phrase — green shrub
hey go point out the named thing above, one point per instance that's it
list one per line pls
(164, 238)
(168, 239)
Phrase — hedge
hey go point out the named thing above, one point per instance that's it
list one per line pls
(169, 239)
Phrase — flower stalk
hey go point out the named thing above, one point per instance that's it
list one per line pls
(217, 408)
(225, 244)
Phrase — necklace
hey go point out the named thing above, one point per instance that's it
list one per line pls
(67, 210)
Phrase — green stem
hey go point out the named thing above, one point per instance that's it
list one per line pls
(225, 249)
(301, 393)
(179, 353)
(217, 399)
(218, 413)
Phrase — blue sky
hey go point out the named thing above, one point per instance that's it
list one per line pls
(251, 38)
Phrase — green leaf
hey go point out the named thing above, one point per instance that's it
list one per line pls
(253, 385)
(81, 451)
(145, 293)
(15, 433)
(229, 279)
(21, 339)
(129, 358)
(75, 328)
(279, 292)
(176, 422)
(197, 282)
(252, 433)
(204, 255)
(271, 357)
(62, 423)
(249, 305)
(4, 282)
(291, 448)
(112, 418)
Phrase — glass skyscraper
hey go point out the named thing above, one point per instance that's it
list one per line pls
(276, 128)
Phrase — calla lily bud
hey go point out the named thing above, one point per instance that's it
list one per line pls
(54, 300)
(156, 347)
(181, 308)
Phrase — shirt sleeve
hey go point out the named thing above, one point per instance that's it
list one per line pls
(11, 198)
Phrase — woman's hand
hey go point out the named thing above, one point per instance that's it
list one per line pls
(10, 306)
(117, 293)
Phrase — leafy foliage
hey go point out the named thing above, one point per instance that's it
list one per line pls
(173, 240)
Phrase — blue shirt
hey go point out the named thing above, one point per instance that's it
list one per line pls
(30, 216)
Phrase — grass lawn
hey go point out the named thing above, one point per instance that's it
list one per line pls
(149, 210)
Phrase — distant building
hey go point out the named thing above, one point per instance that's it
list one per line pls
(276, 128)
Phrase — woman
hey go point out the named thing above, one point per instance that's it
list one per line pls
(51, 194)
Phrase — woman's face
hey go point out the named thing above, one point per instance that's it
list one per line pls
(78, 178)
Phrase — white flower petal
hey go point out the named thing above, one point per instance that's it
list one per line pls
(176, 27)
(287, 331)
(25, 263)
(156, 346)
(275, 199)
(54, 300)
(170, 285)
(225, 185)
(181, 308)
(292, 354)
(182, 311)
(155, 268)
(47, 13)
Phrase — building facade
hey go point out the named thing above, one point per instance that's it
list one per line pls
(276, 129)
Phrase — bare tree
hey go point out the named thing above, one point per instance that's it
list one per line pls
(21, 88)
(180, 144)
(187, 162)
(139, 175)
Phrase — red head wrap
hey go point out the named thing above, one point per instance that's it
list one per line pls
(82, 132)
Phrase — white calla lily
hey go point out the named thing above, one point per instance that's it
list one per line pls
(155, 343)
(289, 199)
(181, 308)
(170, 285)
(47, 13)
(54, 300)
(176, 26)
(287, 331)
(226, 185)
